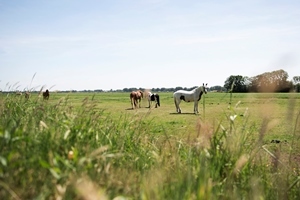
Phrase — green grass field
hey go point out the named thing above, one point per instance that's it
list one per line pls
(93, 145)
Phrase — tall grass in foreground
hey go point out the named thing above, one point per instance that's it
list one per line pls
(52, 150)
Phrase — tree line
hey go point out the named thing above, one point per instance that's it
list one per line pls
(275, 81)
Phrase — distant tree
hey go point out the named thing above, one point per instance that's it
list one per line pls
(275, 81)
(217, 88)
(178, 88)
(191, 88)
(132, 89)
(236, 83)
(296, 79)
(296, 82)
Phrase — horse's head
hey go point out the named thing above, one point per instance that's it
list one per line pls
(204, 88)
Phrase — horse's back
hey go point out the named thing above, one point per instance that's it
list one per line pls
(182, 92)
(133, 94)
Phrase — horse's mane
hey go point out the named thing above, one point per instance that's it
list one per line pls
(201, 88)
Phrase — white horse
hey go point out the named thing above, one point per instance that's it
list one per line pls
(189, 96)
(153, 97)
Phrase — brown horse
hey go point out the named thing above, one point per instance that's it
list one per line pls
(46, 94)
(135, 98)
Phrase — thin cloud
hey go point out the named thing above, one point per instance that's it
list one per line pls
(238, 35)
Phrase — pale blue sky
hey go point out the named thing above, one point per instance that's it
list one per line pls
(77, 45)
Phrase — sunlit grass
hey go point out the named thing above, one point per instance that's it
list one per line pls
(81, 145)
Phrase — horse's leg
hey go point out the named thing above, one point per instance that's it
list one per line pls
(157, 101)
(176, 105)
(133, 102)
(138, 103)
(196, 107)
(178, 110)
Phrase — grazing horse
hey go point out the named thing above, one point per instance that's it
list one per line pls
(189, 96)
(153, 97)
(46, 94)
(135, 98)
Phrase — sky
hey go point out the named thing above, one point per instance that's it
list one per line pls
(117, 44)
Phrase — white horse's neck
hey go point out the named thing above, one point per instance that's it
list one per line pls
(199, 92)
(199, 89)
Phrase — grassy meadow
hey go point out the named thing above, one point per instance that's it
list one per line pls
(95, 146)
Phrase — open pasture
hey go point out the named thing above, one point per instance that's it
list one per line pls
(280, 109)
(272, 114)
(94, 145)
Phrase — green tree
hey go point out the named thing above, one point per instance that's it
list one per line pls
(236, 83)
(296, 82)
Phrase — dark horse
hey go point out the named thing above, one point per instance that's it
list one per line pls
(46, 94)
(153, 97)
(135, 98)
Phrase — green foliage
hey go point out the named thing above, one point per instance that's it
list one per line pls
(236, 84)
(75, 147)
(275, 81)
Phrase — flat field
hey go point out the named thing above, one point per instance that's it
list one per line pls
(279, 109)
(95, 146)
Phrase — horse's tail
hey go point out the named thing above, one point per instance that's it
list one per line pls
(157, 99)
